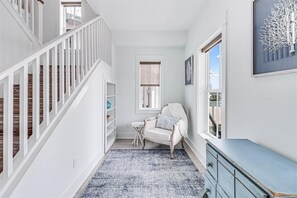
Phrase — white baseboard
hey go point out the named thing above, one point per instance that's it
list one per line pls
(196, 151)
(78, 182)
(125, 136)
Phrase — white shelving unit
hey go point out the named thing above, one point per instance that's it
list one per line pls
(110, 115)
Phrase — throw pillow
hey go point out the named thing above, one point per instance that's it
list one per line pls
(166, 122)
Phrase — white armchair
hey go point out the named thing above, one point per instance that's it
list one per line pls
(162, 136)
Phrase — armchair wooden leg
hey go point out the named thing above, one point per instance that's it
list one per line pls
(182, 143)
(171, 151)
(143, 144)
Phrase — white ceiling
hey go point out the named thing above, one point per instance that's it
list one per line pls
(147, 15)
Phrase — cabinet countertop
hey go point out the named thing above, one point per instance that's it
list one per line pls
(273, 172)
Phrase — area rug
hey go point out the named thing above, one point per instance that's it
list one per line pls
(145, 174)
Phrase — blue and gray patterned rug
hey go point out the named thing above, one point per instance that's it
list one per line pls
(145, 174)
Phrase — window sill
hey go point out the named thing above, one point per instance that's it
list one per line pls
(206, 136)
(148, 111)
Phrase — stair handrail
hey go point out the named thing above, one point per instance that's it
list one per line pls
(42, 49)
(78, 50)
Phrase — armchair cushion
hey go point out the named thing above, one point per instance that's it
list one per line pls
(166, 122)
(162, 135)
(158, 134)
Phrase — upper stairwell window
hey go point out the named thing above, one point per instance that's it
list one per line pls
(70, 15)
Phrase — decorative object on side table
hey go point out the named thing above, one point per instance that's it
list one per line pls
(275, 36)
(189, 71)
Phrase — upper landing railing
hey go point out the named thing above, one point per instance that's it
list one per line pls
(30, 13)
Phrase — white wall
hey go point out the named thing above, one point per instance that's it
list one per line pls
(51, 20)
(14, 42)
(87, 11)
(79, 137)
(264, 109)
(150, 38)
(126, 78)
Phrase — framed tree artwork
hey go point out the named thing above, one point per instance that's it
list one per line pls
(274, 37)
(189, 71)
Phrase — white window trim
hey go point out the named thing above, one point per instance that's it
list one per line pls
(203, 86)
(153, 58)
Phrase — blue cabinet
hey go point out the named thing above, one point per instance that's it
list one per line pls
(243, 169)
(225, 180)
(211, 164)
(210, 186)
(242, 191)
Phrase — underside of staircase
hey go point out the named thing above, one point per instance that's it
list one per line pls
(16, 108)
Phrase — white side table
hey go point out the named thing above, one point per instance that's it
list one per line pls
(138, 126)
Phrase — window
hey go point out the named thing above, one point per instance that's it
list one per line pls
(212, 89)
(149, 84)
(70, 16)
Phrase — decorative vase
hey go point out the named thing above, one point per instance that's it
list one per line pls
(108, 104)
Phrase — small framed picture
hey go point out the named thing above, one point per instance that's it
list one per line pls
(189, 71)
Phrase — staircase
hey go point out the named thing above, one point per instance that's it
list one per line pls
(36, 92)
(16, 109)
(27, 14)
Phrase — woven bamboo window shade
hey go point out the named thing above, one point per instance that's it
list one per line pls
(150, 74)
(210, 45)
(71, 4)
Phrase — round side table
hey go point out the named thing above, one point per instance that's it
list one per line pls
(138, 126)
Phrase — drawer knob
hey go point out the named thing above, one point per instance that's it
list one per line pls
(209, 164)
(205, 193)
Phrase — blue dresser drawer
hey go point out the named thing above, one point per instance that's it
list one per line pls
(212, 165)
(211, 150)
(242, 191)
(226, 164)
(245, 188)
(210, 186)
(219, 195)
(220, 192)
(226, 180)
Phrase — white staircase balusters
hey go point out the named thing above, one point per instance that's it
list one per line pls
(73, 56)
(27, 9)
(24, 110)
(55, 80)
